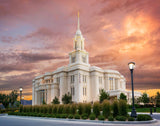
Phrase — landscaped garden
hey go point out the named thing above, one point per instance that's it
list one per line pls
(108, 111)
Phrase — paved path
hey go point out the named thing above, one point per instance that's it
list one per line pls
(33, 121)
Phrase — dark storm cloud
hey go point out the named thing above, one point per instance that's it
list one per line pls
(15, 67)
(15, 82)
(24, 61)
(30, 57)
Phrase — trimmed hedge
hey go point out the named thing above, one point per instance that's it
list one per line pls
(106, 108)
(92, 116)
(80, 108)
(121, 118)
(101, 117)
(143, 117)
(131, 119)
(77, 116)
(96, 109)
(70, 116)
(84, 116)
(122, 107)
(63, 115)
(110, 118)
(115, 108)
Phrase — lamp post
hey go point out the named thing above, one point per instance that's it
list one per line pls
(20, 89)
(131, 67)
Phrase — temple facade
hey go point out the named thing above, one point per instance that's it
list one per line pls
(79, 78)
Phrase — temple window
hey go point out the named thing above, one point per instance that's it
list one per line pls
(72, 79)
(73, 59)
(72, 91)
(58, 79)
(100, 80)
(84, 91)
(84, 59)
(84, 78)
(111, 83)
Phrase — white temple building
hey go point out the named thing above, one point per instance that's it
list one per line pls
(82, 80)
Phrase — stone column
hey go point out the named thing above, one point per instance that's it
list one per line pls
(48, 93)
(118, 86)
(87, 58)
(35, 103)
(114, 84)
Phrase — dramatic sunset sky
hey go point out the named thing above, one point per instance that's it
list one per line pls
(36, 37)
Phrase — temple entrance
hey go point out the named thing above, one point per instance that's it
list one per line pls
(42, 97)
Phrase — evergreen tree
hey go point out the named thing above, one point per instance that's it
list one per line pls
(145, 98)
(67, 98)
(11, 98)
(103, 95)
(123, 97)
(55, 100)
(157, 98)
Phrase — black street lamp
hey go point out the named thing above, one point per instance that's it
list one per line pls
(131, 67)
(20, 89)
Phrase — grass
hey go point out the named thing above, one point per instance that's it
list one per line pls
(145, 110)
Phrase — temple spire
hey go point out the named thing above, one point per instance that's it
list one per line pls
(78, 22)
(78, 32)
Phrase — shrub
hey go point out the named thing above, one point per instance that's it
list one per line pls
(115, 108)
(49, 108)
(121, 118)
(54, 109)
(21, 108)
(33, 109)
(92, 117)
(60, 109)
(101, 117)
(110, 118)
(96, 109)
(87, 109)
(80, 108)
(70, 116)
(123, 97)
(30, 108)
(45, 109)
(122, 107)
(43, 115)
(58, 116)
(66, 109)
(24, 109)
(73, 109)
(37, 109)
(142, 117)
(106, 108)
(67, 98)
(77, 116)
(63, 115)
(53, 116)
(131, 119)
(84, 116)
(103, 95)
(55, 100)
(41, 109)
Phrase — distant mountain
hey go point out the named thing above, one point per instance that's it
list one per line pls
(27, 102)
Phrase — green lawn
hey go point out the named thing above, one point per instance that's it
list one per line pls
(145, 110)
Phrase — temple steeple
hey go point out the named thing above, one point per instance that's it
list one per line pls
(78, 55)
(78, 39)
(78, 32)
(78, 21)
